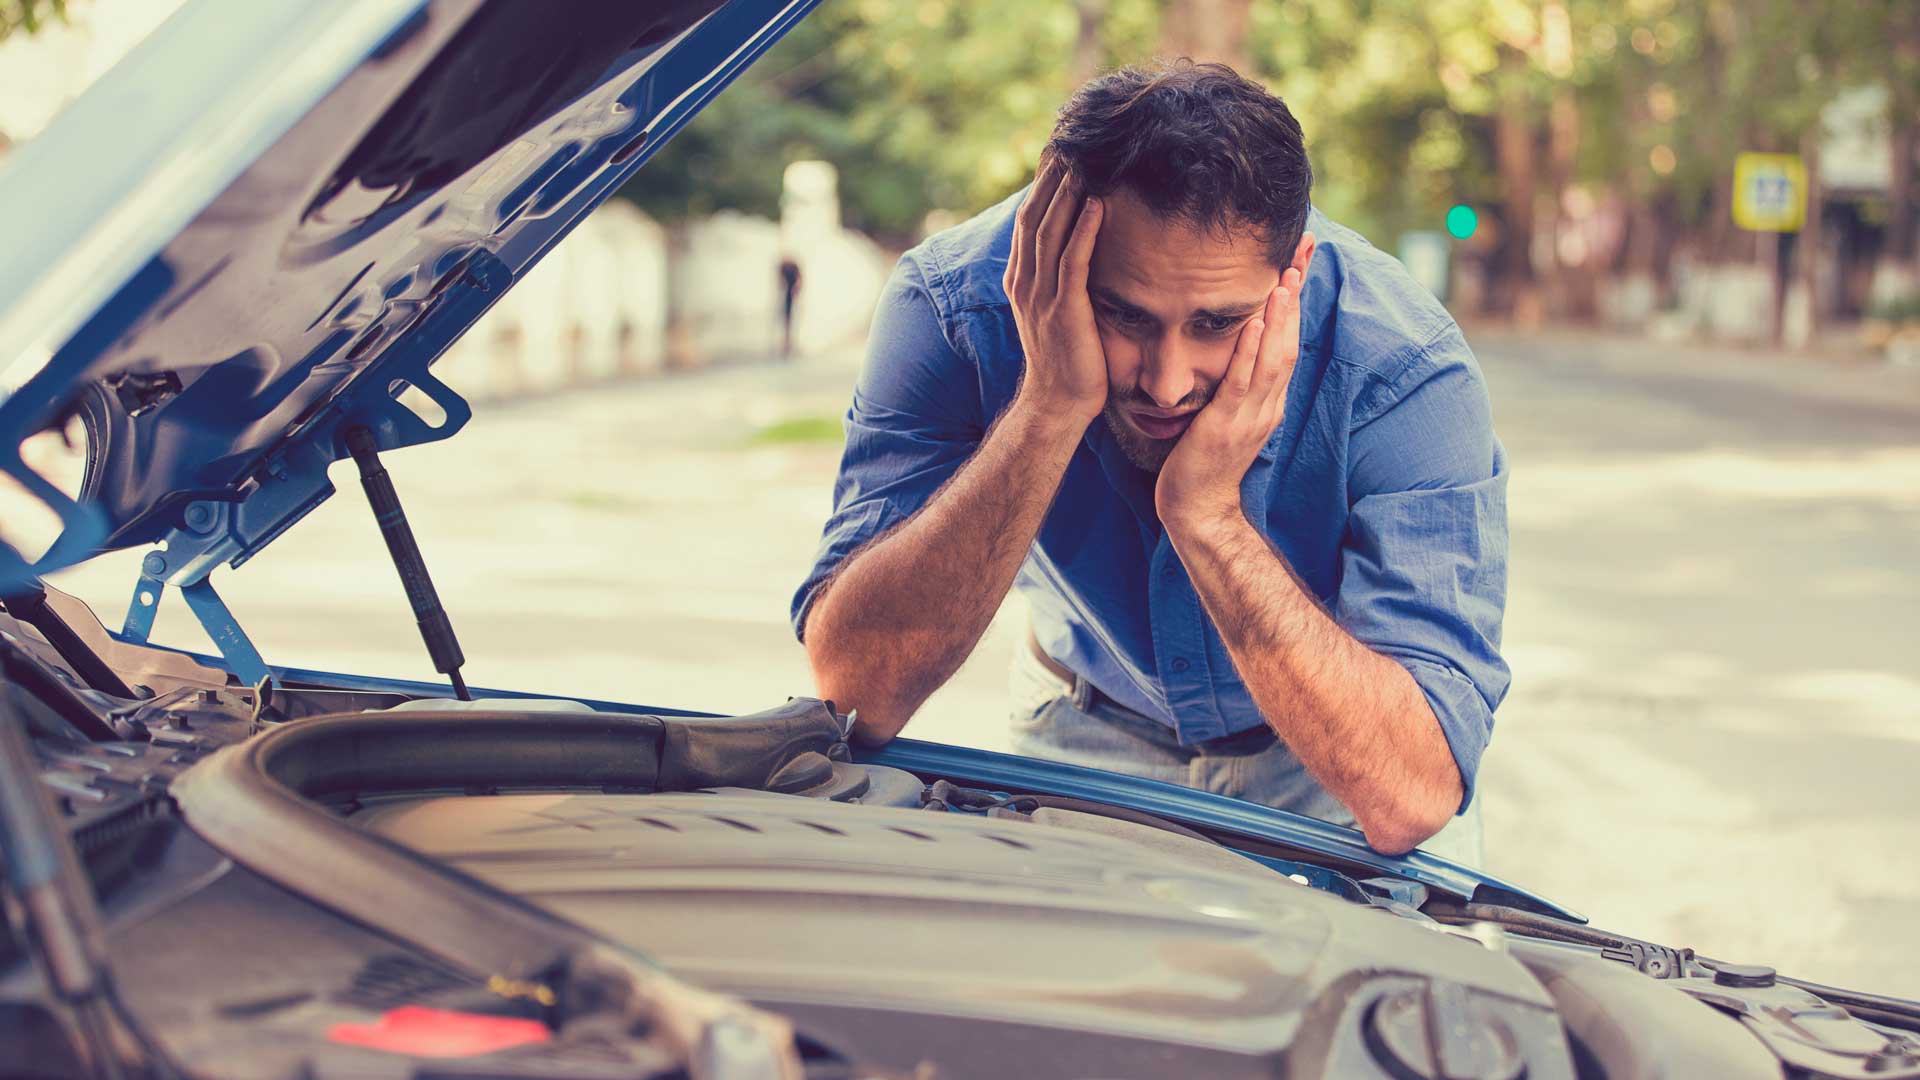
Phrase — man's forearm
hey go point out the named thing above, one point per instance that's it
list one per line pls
(1354, 718)
(901, 615)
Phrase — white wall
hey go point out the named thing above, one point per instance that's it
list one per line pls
(597, 307)
(726, 287)
(594, 308)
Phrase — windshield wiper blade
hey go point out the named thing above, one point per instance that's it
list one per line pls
(1665, 961)
(27, 672)
(29, 605)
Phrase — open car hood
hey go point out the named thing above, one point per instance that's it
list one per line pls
(264, 225)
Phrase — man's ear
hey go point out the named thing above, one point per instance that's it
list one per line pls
(1303, 254)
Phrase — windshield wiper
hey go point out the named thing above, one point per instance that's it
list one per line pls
(20, 669)
(1666, 962)
(50, 909)
(29, 605)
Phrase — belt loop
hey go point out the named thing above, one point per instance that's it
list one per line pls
(1082, 694)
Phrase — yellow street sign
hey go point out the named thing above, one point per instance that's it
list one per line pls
(1769, 192)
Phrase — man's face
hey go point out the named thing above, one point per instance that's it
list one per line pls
(1170, 299)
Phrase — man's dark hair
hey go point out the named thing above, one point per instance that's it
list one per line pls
(1196, 142)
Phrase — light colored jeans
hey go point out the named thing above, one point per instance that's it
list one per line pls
(1252, 766)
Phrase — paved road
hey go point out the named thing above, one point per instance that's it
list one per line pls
(1714, 735)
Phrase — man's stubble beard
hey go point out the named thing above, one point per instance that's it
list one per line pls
(1145, 453)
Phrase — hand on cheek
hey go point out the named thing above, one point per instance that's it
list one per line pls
(1200, 483)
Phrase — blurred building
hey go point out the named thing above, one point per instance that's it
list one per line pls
(623, 295)
(1856, 177)
(841, 271)
(595, 308)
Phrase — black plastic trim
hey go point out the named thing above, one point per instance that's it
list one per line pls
(257, 802)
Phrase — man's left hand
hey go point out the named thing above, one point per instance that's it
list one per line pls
(1199, 484)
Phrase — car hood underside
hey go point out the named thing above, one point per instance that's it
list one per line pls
(308, 204)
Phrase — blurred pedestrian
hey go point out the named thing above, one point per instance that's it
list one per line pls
(790, 294)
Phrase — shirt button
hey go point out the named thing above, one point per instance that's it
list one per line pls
(1179, 664)
(1170, 573)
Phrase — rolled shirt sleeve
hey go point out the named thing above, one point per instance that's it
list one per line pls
(1424, 559)
(915, 419)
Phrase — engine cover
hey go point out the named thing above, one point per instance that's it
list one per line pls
(990, 947)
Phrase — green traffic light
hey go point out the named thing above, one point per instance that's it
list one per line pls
(1462, 220)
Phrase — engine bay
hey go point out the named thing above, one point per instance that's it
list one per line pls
(334, 864)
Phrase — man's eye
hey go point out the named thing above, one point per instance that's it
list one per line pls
(1218, 324)
(1123, 316)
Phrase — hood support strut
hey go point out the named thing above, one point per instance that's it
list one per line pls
(435, 628)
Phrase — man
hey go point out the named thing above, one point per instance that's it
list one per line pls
(1239, 464)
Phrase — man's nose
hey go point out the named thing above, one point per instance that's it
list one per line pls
(1166, 375)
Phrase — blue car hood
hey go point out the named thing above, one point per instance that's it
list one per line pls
(269, 220)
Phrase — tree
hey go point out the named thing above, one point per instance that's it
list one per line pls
(28, 16)
(941, 104)
(1542, 113)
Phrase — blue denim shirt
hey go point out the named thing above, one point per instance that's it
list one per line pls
(1384, 488)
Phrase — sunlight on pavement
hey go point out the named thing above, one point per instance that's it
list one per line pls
(1557, 492)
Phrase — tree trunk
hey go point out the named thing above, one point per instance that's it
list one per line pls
(1206, 30)
(1900, 209)
(1089, 46)
(1903, 114)
(1514, 136)
(681, 351)
(1722, 242)
(1664, 212)
(1573, 279)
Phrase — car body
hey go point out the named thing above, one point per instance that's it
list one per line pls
(228, 263)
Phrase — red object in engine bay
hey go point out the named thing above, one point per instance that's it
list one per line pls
(440, 1033)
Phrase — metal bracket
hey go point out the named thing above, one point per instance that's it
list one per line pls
(147, 592)
(221, 530)
(227, 636)
(242, 658)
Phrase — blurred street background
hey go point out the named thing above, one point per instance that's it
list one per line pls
(1680, 233)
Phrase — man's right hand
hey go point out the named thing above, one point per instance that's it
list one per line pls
(1046, 280)
(901, 614)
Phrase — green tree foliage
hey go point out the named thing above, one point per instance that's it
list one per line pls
(1409, 105)
(27, 16)
(934, 104)
(1401, 95)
